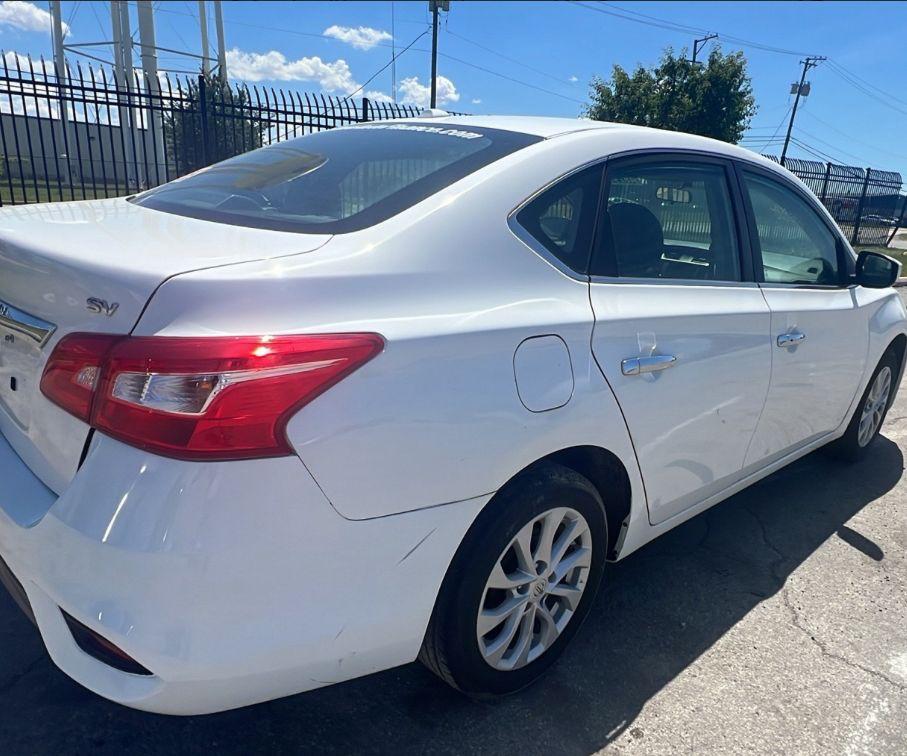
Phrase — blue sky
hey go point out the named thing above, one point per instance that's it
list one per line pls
(538, 57)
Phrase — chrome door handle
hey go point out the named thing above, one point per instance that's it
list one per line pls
(639, 365)
(790, 339)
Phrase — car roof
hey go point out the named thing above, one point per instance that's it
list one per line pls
(620, 136)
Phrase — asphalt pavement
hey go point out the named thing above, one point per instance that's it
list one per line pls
(774, 623)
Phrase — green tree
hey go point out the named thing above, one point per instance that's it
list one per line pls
(231, 124)
(714, 99)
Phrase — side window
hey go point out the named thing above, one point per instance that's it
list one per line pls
(562, 218)
(796, 245)
(668, 220)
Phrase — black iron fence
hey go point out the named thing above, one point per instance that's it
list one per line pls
(88, 135)
(865, 202)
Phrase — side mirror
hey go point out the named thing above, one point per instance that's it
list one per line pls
(875, 271)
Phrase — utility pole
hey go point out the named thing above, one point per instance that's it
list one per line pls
(203, 27)
(802, 89)
(123, 74)
(154, 145)
(221, 45)
(393, 56)
(434, 6)
(62, 76)
(698, 44)
(56, 16)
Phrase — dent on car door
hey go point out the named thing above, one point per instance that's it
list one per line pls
(680, 333)
(819, 330)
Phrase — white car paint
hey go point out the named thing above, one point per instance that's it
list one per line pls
(690, 428)
(235, 582)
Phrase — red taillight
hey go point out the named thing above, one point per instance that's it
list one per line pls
(71, 374)
(200, 398)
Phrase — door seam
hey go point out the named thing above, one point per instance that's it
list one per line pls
(771, 376)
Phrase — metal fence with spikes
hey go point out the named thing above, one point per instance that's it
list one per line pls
(86, 135)
(865, 202)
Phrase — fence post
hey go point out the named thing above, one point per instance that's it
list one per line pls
(203, 113)
(856, 223)
(366, 114)
(899, 222)
(825, 182)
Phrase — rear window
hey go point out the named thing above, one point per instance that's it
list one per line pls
(336, 181)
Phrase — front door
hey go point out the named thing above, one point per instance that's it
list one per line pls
(819, 331)
(680, 334)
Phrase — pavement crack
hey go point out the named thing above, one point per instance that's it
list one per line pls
(779, 555)
(797, 619)
(828, 653)
(19, 676)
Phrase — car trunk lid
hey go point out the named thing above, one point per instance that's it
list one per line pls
(92, 267)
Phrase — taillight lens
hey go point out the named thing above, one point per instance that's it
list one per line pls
(202, 398)
(72, 372)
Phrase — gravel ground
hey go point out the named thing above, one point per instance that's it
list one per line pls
(774, 623)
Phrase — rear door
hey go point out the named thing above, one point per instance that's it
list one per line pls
(819, 331)
(681, 329)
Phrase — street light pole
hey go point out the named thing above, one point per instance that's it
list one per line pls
(811, 61)
(203, 29)
(435, 6)
(434, 54)
(221, 44)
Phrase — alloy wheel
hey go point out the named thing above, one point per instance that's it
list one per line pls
(874, 407)
(534, 589)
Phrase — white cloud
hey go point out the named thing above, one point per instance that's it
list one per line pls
(362, 38)
(273, 66)
(420, 94)
(376, 96)
(573, 79)
(477, 101)
(26, 16)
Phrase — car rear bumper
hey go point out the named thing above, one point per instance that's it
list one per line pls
(232, 583)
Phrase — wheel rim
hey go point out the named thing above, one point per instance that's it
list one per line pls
(874, 407)
(534, 589)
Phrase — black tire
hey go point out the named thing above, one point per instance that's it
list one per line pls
(451, 646)
(848, 447)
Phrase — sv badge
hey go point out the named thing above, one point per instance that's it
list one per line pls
(101, 306)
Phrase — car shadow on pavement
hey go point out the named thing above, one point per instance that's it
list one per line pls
(659, 610)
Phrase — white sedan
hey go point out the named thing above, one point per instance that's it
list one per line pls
(401, 390)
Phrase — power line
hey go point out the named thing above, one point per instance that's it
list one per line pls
(869, 84)
(72, 13)
(384, 67)
(778, 127)
(75, 51)
(509, 78)
(816, 152)
(660, 23)
(801, 130)
(415, 49)
(853, 138)
(698, 30)
(865, 90)
(507, 57)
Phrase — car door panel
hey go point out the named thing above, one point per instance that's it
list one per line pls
(819, 328)
(690, 424)
(814, 381)
(682, 339)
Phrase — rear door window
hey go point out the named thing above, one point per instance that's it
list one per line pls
(335, 181)
(668, 219)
